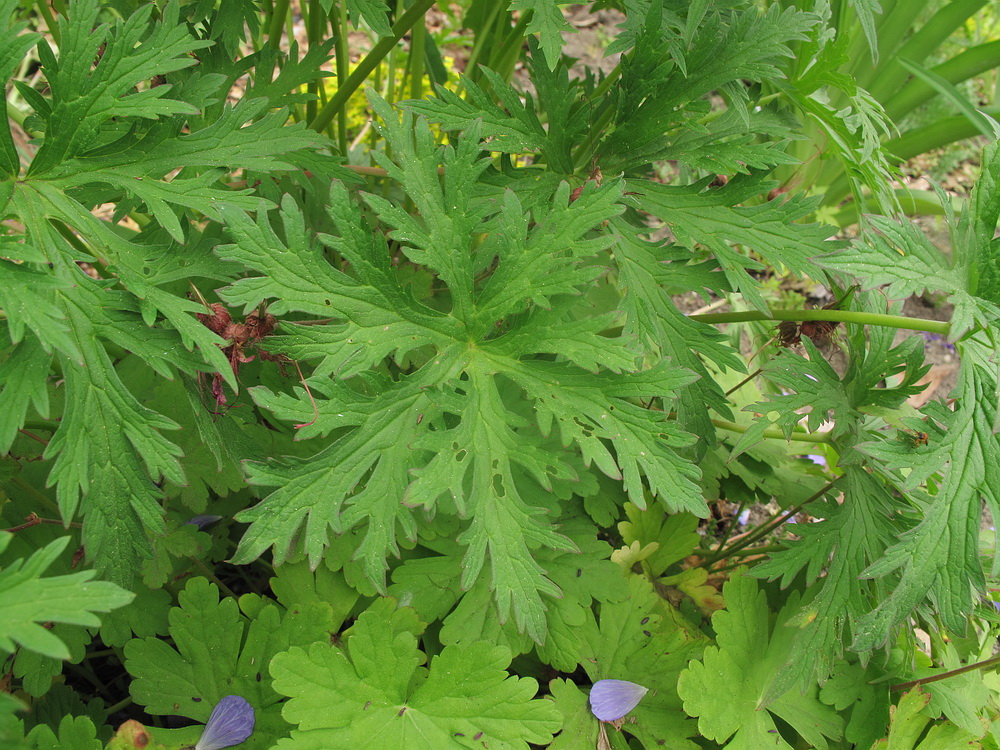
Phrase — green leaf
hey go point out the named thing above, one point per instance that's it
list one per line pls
(866, 10)
(221, 652)
(716, 218)
(445, 438)
(295, 276)
(665, 78)
(85, 97)
(28, 297)
(75, 733)
(29, 600)
(374, 693)
(833, 553)
(640, 639)
(23, 373)
(909, 730)
(741, 667)
(947, 568)
(512, 125)
(643, 440)
(583, 577)
(13, 47)
(374, 12)
(547, 21)
(949, 92)
(863, 694)
(579, 726)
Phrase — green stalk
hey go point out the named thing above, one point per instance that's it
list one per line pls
(417, 61)
(277, 23)
(50, 21)
(504, 62)
(477, 48)
(801, 437)
(972, 62)
(343, 70)
(369, 63)
(833, 316)
(892, 26)
(267, 9)
(314, 31)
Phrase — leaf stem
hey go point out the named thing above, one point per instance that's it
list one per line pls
(123, 703)
(32, 519)
(801, 437)
(50, 21)
(277, 24)
(767, 528)
(369, 63)
(834, 316)
(210, 575)
(991, 662)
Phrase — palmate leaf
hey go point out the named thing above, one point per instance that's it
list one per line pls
(947, 568)
(432, 585)
(112, 136)
(85, 98)
(375, 693)
(851, 536)
(23, 375)
(637, 639)
(509, 118)
(741, 667)
(372, 11)
(674, 65)
(450, 437)
(73, 733)
(909, 728)
(218, 651)
(652, 317)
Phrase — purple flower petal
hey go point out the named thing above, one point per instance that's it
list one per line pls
(231, 722)
(202, 521)
(610, 700)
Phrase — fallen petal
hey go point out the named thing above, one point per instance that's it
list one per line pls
(612, 699)
(231, 722)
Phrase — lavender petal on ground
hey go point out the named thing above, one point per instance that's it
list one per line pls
(231, 722)
(610, 700)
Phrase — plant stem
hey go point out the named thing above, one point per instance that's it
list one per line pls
(369, 63)
(123, 703)
(277, 23)
(417, 52)
(991, 662)
(343, 71)
(801, 437)
(210, 575)
(834, 316)
(50, 21)
(767, 528)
